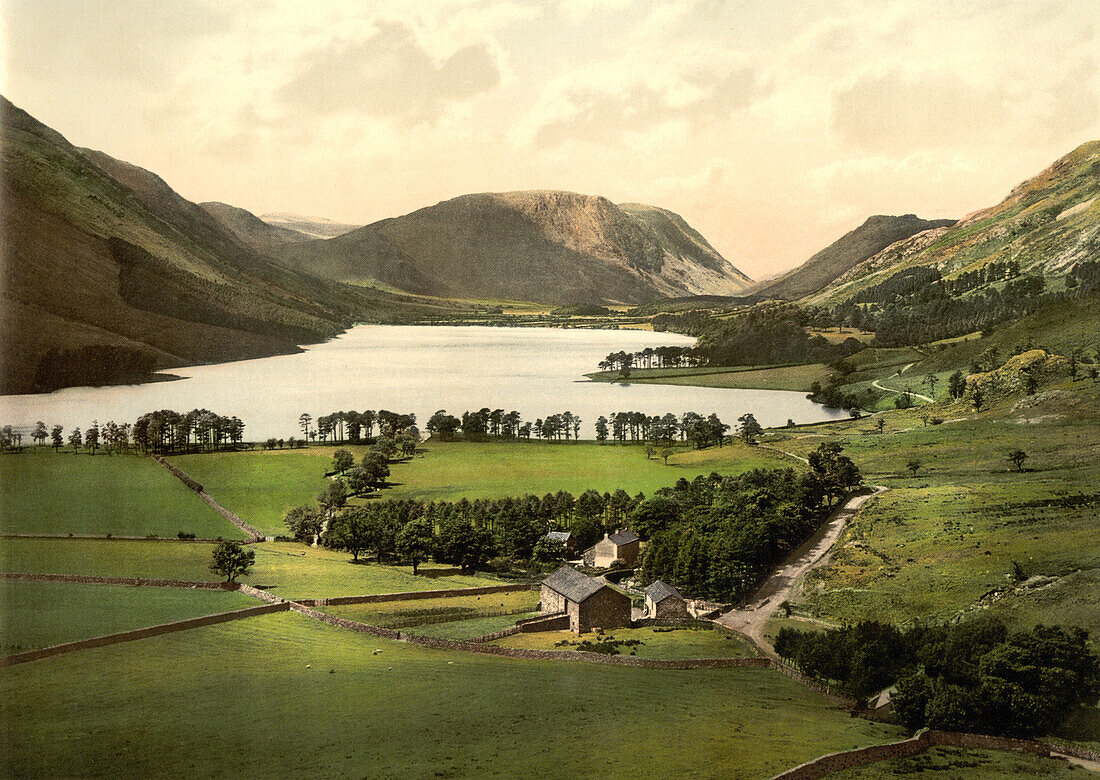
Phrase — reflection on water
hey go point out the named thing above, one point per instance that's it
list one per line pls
(536, 371)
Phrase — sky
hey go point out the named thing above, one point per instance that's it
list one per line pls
(772, 126)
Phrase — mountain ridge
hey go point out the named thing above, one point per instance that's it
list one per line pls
(542, 245)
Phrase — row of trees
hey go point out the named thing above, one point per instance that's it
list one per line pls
(972, 676)
(163, 431)
(653, 357)
(354, 427)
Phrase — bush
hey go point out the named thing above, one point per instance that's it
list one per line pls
(185, 535)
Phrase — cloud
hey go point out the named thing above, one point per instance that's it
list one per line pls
(586, 107)
(390, 74)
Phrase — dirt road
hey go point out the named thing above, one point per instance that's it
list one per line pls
(777, 588)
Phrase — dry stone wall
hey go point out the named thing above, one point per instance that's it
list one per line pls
(413, 595)
(251, 530)
(137, 581)
(142, 633)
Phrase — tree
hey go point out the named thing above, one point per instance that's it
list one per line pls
(75, 440)
(91, 438)
(932, 380)
(39, 434)
(749, 428)
(1018, 457)
(665, 453)
(416, 541)
(978, 399)
(231, 560)
(880, 423)
(304, 422)
(464, 544)
(956, 385)
(375, 469)
(835, 473)
(601, 429)
(548, 550)
(333, 497)
(56, 437)
(304, 522)
(913, 466)
(342, 460)
(349, 531)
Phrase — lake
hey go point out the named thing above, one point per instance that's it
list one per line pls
(536, 371)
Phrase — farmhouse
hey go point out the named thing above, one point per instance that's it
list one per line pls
(589, 602)
(664, 601)
(620, 547)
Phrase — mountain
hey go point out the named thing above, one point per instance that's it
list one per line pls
(250, 229)
(108, 274)
(553, 247)
(851, 249)
(314, 227)
(1042, 228)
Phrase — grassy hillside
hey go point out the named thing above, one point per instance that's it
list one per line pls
(555, 247)
(250, 229)
(1045, 225)
(845, 253)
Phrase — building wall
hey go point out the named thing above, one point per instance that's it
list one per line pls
(607, 608)
(604, 553)
(628, 553)
(550, 601)
(671, 608)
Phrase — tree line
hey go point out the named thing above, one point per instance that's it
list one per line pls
(354, 427)
(973, 676)
(162, 432)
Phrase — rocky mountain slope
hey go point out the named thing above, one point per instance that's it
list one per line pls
(1044, 226)
(851, 249)
(554, 247)
(109, 274)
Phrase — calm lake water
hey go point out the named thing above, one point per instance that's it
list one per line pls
(536, 371)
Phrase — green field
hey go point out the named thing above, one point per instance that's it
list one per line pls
(291, 570)
(40, 614)
(656, 642)
(43, 492)
(282, 695)
(386, 612)
(453, 470)
(936, 543)
(776, 378)
(946, 762)
(468, 629)
(261, 486)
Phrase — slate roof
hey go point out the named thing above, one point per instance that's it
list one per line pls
(661, 590)
(624, 537)
(559, 536)
(572, 584)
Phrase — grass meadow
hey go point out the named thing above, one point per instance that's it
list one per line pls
(767, 378)
(41, 614)
(43, 492)
(940, 540)
(679, 643)
(289, 569)
(312, 700)
(261, 486)
(947, 762)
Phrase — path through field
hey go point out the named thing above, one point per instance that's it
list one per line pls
(751, 620)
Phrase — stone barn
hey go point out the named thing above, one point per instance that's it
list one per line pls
(565, 538)
(621, 547)
(664, 601)
(589, 602)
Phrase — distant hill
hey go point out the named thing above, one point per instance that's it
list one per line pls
(1044, 226)
(314, 227)
(109, 274)
(851, 249)
(250, 229)
(553, 247)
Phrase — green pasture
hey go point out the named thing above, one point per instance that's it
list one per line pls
(947, 762)
(41, 614)
(290, 569)
(680, 643)
(310, 700)
(468, 629)
(935, 543)
(384, 612)
(43, 492)
(768, 378)
(450, 471)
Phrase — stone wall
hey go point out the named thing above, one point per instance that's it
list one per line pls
(849, 759)
(558, 622)
(252, 531)
(138, 581)
(416, 594)
(142, 633)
